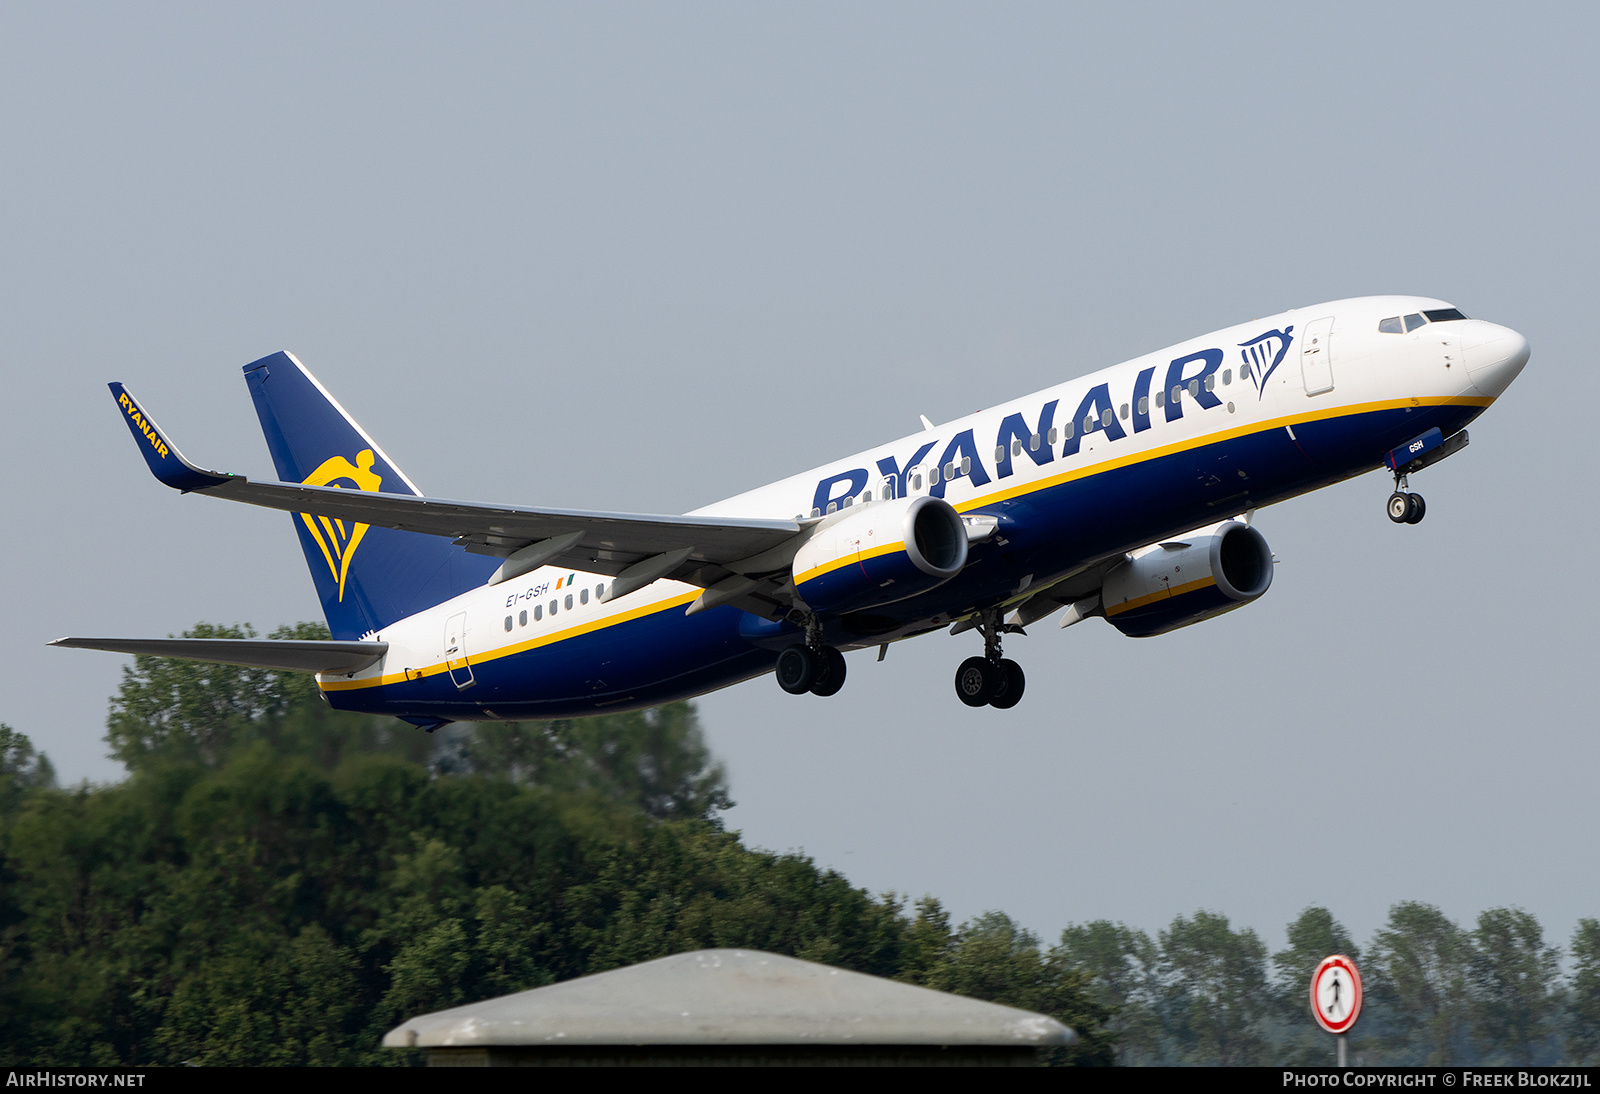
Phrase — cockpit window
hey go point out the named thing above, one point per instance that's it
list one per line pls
(1413, 321)
(1392, 325)
(1443, 315)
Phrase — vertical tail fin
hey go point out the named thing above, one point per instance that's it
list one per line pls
(367, 578)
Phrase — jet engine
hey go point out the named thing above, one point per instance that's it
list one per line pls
(1176, 583)
(881, 553)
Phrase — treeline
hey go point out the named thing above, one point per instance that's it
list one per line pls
(279, 883)
(1436, 993)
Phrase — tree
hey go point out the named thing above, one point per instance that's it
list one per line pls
(1217, 987)
(21, 768)
(1419, 962)
(1583, 1031)
(1123, 967)
(655, 760)
(1512, 974)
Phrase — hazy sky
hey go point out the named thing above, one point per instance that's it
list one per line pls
(642, 257)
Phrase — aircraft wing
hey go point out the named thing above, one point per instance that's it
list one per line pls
(285, 655)
(634, 549)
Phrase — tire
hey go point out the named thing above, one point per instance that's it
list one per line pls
(1399, 507)
(1419, 509)
(976, 681)
(797, 670)
(1012, 684)
(830, 678)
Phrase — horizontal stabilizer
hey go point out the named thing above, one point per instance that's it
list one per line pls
(285, 655)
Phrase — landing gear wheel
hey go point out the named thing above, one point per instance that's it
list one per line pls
(1418, 509)
(1012, 683)
(1400, 507)
(977, 680)
(798, 669)
(831, 677)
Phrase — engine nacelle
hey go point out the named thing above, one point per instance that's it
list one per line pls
(881, 553)
(1174, 584)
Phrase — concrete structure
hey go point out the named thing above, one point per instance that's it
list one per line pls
(730, 1007)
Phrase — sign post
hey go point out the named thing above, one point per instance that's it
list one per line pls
(1336, 998)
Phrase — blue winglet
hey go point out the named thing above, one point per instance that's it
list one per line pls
(166, 462)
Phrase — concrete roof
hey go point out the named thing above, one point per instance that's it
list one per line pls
(729, 997)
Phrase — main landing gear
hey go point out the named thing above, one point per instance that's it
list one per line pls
(811, 666)
(1406, 508)
(991, 680)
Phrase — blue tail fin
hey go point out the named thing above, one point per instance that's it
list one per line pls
(367, 577)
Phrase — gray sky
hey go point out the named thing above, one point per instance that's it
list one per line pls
(645, 257)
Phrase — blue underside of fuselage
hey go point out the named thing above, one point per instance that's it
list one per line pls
(1048, 533)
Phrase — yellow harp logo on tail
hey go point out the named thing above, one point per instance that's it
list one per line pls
(337, 539)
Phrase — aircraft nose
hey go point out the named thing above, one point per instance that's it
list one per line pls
(1495, 360)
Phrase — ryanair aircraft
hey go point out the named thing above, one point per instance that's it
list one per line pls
(1126, 494)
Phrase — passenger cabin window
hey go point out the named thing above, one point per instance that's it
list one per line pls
(1227, 377)
(1244, 372)
(1443, 315)
(508, 623)
(522, 619)
(600, 591)
(583, 596)
(1413, 321)
(1053, 433)
(1391, 325)
(568, 604)
(538, 612)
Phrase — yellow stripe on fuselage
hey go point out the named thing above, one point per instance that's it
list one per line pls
(990, 498)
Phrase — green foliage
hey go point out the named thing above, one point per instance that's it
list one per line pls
(1313, 935)
(21, 769)
(1123, 967)
(1583, 1035)
(1513, 977)
(1419, 968)
(1217, 988)
(279, 883)
(654, 760)
(171, 711)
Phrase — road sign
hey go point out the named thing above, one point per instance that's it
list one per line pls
(1336, 993)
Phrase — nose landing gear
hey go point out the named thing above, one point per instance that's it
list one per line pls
(1405, 508)
(991, 680)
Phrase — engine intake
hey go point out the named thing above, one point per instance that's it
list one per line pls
(881, 553)
(1174, 584)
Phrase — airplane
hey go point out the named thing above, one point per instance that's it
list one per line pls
(1127, 494)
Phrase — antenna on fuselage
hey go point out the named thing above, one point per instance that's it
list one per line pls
(925, 423)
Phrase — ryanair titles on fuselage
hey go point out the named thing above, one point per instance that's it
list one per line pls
(1191, 377)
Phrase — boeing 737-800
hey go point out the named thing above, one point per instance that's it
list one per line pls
(1126, 494)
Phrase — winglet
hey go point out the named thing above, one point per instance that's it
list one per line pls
(166, 462)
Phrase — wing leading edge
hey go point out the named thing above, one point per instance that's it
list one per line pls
(633, 549)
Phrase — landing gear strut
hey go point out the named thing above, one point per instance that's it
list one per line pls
(991, 680)
(811, 666)
(1405, 508)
